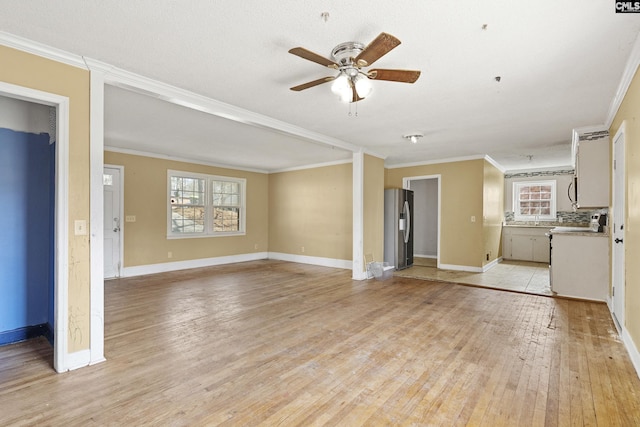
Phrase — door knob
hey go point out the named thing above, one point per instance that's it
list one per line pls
(618, 240)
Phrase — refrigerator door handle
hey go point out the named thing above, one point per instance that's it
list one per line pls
(407, 216)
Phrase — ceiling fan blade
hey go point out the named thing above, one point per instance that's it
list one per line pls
(312, 84)
(403, 76)
(379, 47)
(313, 57)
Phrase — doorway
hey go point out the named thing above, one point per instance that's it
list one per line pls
(61, 359)
(617, 244)
(112, 183)
(27, 188)
(426, 234)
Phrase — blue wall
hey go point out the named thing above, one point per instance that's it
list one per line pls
(27, 193)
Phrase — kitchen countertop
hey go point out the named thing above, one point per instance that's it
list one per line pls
(528, 226)
(579, 231)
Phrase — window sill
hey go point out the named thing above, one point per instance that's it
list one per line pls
(203, 236)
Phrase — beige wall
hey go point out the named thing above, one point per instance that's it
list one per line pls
(493, 214)
(312, 208)
(461, 241)
(22, 69)
(145, 196)
(630, 112)
(373, 221)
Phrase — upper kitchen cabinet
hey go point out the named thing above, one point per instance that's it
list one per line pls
(590, 150)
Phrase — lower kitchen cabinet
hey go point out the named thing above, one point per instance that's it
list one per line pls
(580, 265)
(526, 244)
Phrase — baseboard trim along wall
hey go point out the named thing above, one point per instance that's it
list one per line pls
(325, 262)
(632, 348)
(141, 270)
(469, 268)
(77, 360)
(25, 333)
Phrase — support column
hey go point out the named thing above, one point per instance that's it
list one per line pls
(358, 272)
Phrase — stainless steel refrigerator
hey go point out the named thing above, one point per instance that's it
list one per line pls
(398, 227)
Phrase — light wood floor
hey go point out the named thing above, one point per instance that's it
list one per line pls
(276, 343)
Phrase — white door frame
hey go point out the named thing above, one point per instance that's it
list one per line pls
(120, 168)
(619, 207)
(406, 184)
(61, 357)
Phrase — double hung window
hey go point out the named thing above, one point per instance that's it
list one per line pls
(534, 200)
(205, 205)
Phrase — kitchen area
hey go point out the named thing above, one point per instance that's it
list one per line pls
(569, 232)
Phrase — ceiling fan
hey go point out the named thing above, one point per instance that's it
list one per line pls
(352, 83)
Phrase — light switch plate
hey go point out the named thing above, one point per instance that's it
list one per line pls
(80, 227)
(130, 218)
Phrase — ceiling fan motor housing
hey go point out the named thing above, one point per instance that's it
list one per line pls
(344, 53)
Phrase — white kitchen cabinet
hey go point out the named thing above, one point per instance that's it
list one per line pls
(580, 265)
(591, 151)
(526, 244)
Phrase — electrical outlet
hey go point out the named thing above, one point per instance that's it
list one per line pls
(255, 247)
(169, 254)
(473, 218)
(302, 249)
(487, 257)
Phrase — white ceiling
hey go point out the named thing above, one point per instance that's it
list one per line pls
(560, 64)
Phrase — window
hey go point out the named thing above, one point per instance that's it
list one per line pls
(534, 200)
(205, 205)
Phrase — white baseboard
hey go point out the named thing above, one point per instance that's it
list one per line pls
(77, 360)
(141, 270)
(470, 269)
(461, 268)
(325, 262)
(425, 256)
(492, 264)
(632, 348)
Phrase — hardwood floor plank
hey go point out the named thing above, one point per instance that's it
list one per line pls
(277, 343)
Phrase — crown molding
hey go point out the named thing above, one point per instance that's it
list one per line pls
(449, 160)
(39, 49)
(627, 76)
(179, 159)
(314, 166)
(134, 82)
(495, 164)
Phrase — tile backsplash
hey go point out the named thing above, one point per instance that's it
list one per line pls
(568, 218)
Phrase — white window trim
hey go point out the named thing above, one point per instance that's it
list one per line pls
(554, 196)
(208, 205)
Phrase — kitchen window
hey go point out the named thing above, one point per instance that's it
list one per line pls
(205, 205)
(534, 200)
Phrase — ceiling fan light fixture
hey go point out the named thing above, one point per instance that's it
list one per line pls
(413, 136)
(363, 85)
(341, 86)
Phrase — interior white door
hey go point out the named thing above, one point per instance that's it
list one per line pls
(617, 250)
(111, 185)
